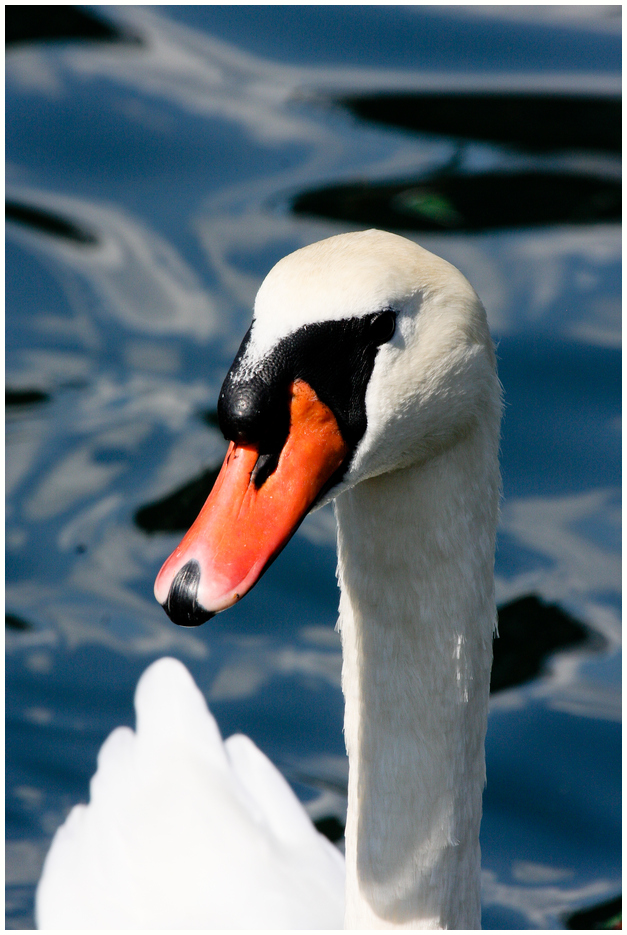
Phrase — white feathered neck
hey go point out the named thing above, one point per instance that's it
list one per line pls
(417, 614)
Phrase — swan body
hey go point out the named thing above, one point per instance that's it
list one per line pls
(186, 831)
(368, 377)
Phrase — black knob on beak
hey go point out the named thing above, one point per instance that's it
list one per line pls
(182, 606)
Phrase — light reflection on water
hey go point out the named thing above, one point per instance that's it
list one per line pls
(181, 157)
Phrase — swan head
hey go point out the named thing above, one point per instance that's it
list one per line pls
(366, 354)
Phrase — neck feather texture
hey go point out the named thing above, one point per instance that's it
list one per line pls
(417, 614)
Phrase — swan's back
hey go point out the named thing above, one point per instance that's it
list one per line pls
(185, 831)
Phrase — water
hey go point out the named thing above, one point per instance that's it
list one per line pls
(155, 172)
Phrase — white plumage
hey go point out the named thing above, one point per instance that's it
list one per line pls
(185, 831)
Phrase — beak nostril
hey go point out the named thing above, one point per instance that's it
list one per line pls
(265, 466)
(182, 606)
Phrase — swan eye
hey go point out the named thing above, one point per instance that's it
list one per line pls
(383, 326)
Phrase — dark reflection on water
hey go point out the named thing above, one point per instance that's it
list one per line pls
(529, 633)
(48, 223)
(608, 915)
(25, 24)
(16, 623)
(455, 199)
(149, 188)
(485, 201)
(177, 511)
(529, 121)
(19, 398)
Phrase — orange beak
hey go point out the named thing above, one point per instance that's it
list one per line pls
(242, 527)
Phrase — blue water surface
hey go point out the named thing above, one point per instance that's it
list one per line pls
(180, 155)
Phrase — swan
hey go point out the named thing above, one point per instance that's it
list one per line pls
(367, 377)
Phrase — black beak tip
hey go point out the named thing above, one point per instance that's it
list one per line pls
(182, 606)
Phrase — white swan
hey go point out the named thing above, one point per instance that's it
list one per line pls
(369, 376)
